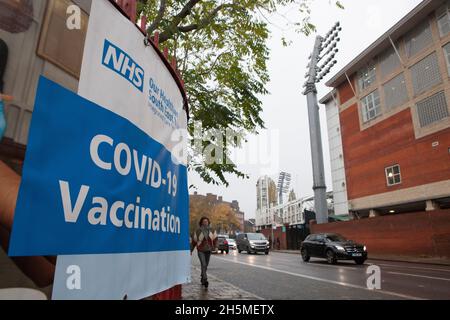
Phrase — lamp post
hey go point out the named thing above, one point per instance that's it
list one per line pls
(271, 245)
(324, 52)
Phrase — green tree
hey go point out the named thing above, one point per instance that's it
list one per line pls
(222, 54)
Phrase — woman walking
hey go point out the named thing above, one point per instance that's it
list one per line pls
(205, 241)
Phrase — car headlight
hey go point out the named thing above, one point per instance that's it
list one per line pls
(365, 249)
(340, 248)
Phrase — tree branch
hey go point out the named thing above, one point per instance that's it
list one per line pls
(159, 17)
(185, 11)
(214, 63)
(167, 34)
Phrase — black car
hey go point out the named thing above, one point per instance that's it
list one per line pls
(222, 244)
(333, 247)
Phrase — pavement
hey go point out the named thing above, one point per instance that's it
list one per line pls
(217, 290)
(399, 258)
(285, 276)
(12, 277)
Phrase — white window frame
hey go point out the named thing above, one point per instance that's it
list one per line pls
(366, 109)
(390, 170)
(365, 74)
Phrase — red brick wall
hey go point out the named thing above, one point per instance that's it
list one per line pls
(345, 91)
(423, 234)
(278, 233)
(367, 153)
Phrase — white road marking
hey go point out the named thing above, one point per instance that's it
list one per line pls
(409, 267)
(383, 264)
(418, 276)
(340, 266)
(324, 280)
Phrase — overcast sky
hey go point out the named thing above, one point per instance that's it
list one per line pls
(286, 141)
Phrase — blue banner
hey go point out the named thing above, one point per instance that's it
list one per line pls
(94, 183)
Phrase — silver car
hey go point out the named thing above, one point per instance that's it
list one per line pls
(252, 242)
(232, 244)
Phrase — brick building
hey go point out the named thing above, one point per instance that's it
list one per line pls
(388, 119)
(250, 225)
(216, 200)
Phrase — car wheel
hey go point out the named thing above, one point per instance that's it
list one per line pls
(331, 258)
(267, 253)
(239, 250)
(305, 255)
(360, 261)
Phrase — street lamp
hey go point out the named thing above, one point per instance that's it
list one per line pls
(320, 64)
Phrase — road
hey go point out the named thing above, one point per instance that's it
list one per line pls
(285, 276)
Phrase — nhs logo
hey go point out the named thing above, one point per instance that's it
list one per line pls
(120, 62)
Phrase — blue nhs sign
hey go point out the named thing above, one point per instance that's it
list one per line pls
(117, 60)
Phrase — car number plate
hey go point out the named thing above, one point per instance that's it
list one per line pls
(357, 254)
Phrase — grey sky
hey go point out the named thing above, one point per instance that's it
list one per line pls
(285, 112)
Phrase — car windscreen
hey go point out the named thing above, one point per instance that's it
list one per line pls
(336, 238)
(256, 236)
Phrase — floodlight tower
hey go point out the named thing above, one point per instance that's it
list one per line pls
(284, 181)
(325, 49)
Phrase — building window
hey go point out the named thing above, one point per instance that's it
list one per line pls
(446, 49)
(418, 39)
(393, 175)
(371, 107)
(432, 109)
(443, 18)
(367, 77)
(389, 62)
(395, 92)
(58, 44)
(425, 74)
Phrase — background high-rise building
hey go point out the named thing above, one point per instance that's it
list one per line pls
(266, 197)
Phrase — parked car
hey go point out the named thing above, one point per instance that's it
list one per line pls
(222, 244)
(231, 244)
(252, 242)
(332, 247)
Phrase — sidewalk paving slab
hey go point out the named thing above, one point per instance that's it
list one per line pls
(217, 290)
